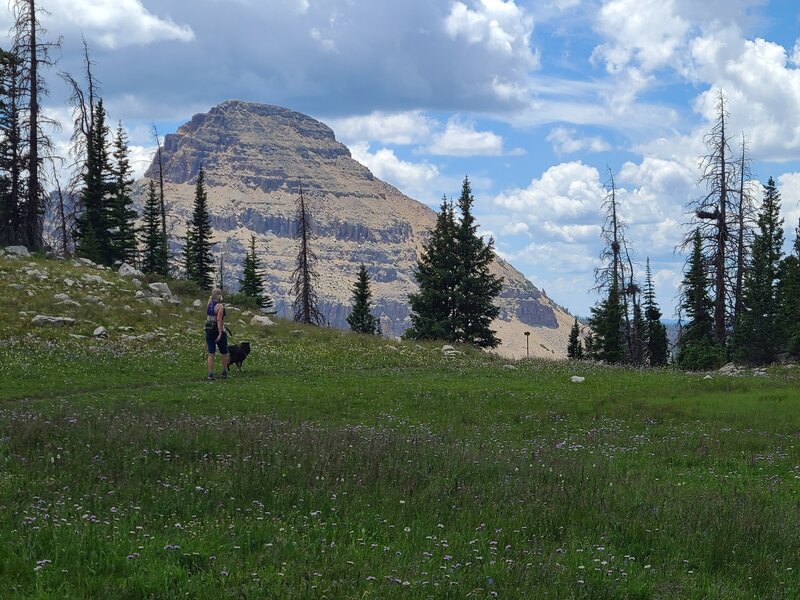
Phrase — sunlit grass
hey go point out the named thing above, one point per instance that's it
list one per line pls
(341, 466)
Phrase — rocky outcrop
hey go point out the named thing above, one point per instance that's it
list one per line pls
(256, 157)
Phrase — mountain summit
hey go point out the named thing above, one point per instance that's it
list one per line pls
(256, 156)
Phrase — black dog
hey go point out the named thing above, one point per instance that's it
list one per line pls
(237, 353)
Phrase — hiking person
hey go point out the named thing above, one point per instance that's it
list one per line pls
(215, 333)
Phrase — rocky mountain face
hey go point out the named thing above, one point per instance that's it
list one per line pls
(256, 157)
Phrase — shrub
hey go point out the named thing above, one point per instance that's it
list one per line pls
(701, 355)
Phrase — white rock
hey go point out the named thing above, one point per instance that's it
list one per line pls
(392, 348)
(156, 301)
(69, 282)
(93, 300)
(17, 251)
(577, 379)
(100, 332)
(197, 304)
(136, 283)
(729, 368)
(69, 302)
(448, 350)
(94, 279)
(160, 288)
(60, 297)
(708, 377)
(262, 321)
(509, 367)
(126, 270)
(40, 320)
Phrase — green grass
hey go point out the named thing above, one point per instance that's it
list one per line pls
(338, 466)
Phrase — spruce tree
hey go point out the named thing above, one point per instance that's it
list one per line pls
(252, 282)
(199, 261)
(123, 214)
(93, 225)
(11, 155)
(433, 306)
(360, 319)
(476, 288)
(154, 254)
(574, 346)
(789, 299)
(757, 335)
(607, 322)
(656, 340)
(697, 346)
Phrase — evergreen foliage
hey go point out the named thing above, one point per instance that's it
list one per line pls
(154, 253)
(656, 340)
(198, 259)
(697, 348)
(123, 220)
(757, 334)
(360, 319)
(574, 346)
(11, 156)
(607, 322)
(456, 296)
(252, 282)
(433, 306)
(93, 226)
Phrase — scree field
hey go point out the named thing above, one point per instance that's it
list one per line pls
(337, 466)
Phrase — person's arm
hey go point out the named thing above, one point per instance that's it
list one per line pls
(220, 311)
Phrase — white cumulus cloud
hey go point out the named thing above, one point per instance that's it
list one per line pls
(118, 23)
(461, 139)
(414, 179)
(411, 127)
(565, 141)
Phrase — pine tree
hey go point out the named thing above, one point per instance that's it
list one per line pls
(574, 347)
(154, 254)
(656, 340)
(433, 306)
(608, 327)
(697, 346)
(306, 303)
(199, 261)
(11, 156)
(757, 335)
(360, 319)
(93, 233)
(789, 298)
(252, 282)
(477, 288)
(123, 225)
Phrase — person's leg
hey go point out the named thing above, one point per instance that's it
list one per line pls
(211, 346)
(223, 352)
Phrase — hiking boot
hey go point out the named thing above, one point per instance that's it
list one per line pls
(224, 375)
(210, 377)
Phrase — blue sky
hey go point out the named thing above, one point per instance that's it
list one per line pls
(534, 100)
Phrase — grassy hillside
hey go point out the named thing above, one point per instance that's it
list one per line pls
(338, 466)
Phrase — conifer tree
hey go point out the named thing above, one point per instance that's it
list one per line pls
(697, 346)
(154, 254)
(360, 319)
(123, 215)
(574, 347)
(789, 298)
(199, 261)
(476, 288)
(433, 306)
(608, 326)
(93, 226)
(11, 155)
(252, 282)
(656, 340)
(306, 303)
(757, 335)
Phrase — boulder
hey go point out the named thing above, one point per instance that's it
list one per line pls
(136, 283)
(448, 350)
(728, 368)
(577, 379)
(160, 288)
(60, 297)
(42, 320)
(17, 251)
(509, 367)
(126, 270)
(262, 321)
(197, 304)
(94, 279)
(100, 332)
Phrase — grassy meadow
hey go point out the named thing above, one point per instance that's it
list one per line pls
(338, 466)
